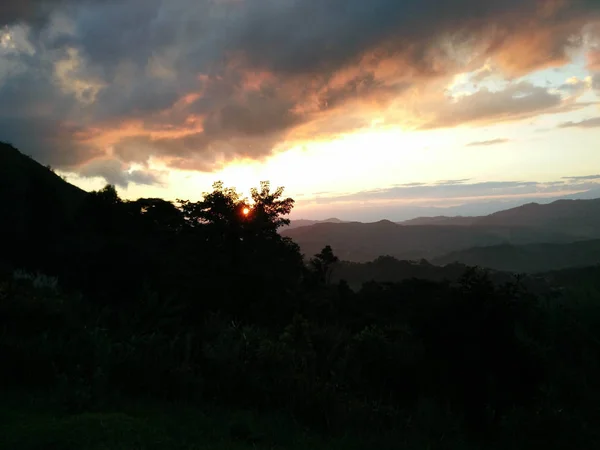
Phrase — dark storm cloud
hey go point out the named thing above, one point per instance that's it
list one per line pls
(37, 12)
(199, 81)
(116, 173)
(32, 117)
(14, 11)
(316, 35)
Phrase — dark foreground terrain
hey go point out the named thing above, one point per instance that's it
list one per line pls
(148, 325)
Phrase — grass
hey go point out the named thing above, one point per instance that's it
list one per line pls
(34, 422)
(30, 421)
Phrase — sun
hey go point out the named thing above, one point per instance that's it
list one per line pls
(246, 211)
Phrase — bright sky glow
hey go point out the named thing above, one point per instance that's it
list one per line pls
(172, 102)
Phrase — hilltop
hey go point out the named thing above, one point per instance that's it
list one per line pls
(560, 222)
(305, 222)
(30, 192)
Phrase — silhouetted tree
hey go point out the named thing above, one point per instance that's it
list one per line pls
(223, 207)
(323, 263)
(269, 210)
(157, 214)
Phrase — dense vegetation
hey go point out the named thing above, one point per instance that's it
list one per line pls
(530, 258)
(204, 306)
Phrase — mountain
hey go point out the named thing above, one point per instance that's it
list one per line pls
(558, 214)
(586, 195)
(305, 223)
(531, 258)
(387, 269)
(579, 218)
(560, 222)
(441, 220)
(33, 196)
(361, 242)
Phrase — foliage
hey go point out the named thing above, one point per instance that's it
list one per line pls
(204, 303)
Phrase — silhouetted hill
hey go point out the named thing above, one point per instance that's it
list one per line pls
(441, 220)
(362, 242)
(387, 269)
(30, 192)
(37, 210)
(574, 215)
(579, 218)
(528, 258)
(305, 222)
(560, 222)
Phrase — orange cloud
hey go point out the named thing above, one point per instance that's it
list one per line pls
(537, 49)
(593, 60)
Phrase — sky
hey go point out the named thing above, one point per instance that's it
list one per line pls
(362, 110)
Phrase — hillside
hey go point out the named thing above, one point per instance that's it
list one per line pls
(560, 222)
(579, 218)
(387, 269)
(573, 215)
(31, 193)
(362, 242)
(305, 222)
(441, 220)
(38, 210)
(527, 258)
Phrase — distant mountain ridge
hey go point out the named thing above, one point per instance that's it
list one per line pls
(441, 220)
(529, 214)
(532, 258)
(560, 222)
(386, 269)
(580, 217)
(306, 223)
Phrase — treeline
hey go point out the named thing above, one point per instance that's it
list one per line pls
(205, 302)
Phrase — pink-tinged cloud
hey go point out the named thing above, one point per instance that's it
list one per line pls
(593, 60)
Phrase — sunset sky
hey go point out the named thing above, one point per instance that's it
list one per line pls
(361, 109)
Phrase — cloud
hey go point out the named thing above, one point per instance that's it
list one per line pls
(487, 143)
(15, 11)
(525, 34)
(447, 191)
(199, 83)
(370, 212)
(589, 123)
(593, 60)
(116, 173)
(410, 184)
(583, 178)
(516, 102)
(575, 86)
(452, 182)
